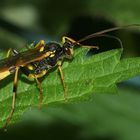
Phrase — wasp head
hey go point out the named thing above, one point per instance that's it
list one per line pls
(68, 49)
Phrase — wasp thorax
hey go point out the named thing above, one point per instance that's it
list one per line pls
(52, 46)
(54, 49)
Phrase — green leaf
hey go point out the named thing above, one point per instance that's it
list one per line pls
(83, 77)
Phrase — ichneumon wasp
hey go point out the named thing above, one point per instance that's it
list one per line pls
(37, 62)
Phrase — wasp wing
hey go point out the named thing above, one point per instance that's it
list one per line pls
(22, 59)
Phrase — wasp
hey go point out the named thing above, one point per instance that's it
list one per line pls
(38, 61)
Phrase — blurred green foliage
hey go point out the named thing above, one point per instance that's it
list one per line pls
(56, 16)
(105, 117)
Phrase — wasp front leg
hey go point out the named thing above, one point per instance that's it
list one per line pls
(70, 40)
(15, 70)
(62, 79)
(66, 39)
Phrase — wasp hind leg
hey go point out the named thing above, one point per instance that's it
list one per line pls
(13, 98)
(63, 83)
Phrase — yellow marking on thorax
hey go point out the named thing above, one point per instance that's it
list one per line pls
(52, 54)
(30, 67)
(4, 74)
(41, 49)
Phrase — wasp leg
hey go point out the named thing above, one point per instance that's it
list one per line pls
(30, 46)
(40, 44)
(64, 38)
(34, 76)
(40, 91)
(8, 53)
(13, 99)
(11, 52)
(62, 79)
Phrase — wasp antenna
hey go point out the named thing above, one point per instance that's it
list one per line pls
(106, 31)
(104, 35)
(90, 47)
(113, 37)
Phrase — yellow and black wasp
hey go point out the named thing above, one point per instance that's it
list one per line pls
(37, 62)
